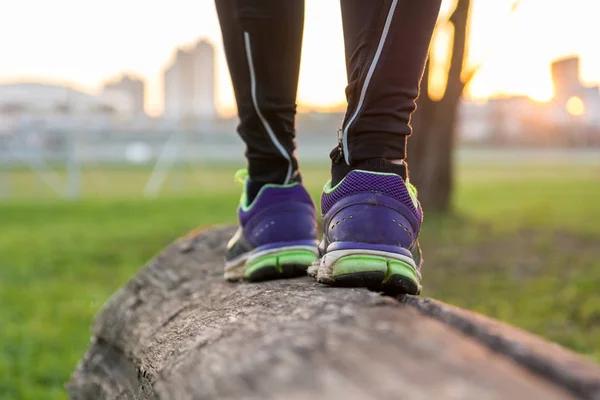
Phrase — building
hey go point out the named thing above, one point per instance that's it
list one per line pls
(204, 79)
(131, 87)
(189, 83)
(41, 99)
(474, 122)
(179, 86)
(565, 78)
(574, 103)
(59, 107)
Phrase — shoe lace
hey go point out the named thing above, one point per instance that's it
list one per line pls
(412, 191)
(411, 188)
(241, 175)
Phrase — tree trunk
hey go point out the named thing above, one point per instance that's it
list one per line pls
(178, 331)
(432, 159)
(431, 148)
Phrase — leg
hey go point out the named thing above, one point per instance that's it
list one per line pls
(263, 41)
(386, 43)
(371, 215)
(277, 233)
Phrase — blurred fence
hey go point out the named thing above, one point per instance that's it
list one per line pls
(57, 161)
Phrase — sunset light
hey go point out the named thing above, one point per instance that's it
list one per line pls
(514, 51)
(265, 242)
(575, 106)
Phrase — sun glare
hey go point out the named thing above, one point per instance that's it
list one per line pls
(575, 106)
(542, 94)
(514, 52)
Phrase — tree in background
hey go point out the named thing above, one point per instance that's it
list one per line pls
(431, 149)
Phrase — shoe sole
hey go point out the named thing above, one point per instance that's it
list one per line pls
(280, 263)
(380, 271)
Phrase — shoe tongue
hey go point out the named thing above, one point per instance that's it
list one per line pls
(339, 171)
(252, 189)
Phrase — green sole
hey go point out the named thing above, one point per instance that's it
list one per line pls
(387, 268)
(300, 257)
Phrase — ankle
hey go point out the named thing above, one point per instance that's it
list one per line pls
(255, 185)
(339, 171)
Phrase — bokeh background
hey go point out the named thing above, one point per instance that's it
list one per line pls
(117, 136)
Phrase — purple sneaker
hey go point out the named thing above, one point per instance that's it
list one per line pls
(371, 222)
(277, 237)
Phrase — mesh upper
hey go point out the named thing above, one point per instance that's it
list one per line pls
(357, 181)
(276, 195)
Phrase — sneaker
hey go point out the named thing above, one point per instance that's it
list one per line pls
(277, 237)
(371, 222)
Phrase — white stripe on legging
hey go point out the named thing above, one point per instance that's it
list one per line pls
(363, 91)
(265, 123)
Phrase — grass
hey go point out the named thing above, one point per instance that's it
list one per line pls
(522, 247)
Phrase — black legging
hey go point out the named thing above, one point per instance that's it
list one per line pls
(386, 43)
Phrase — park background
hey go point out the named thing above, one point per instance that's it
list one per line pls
(117, 136)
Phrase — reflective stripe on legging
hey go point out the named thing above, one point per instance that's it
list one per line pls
(365, 84)
(264, 121)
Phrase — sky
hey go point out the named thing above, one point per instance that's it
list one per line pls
(83, 43)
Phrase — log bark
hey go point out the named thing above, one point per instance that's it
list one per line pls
(178, 331)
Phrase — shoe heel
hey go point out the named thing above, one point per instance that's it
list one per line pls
(290, 262)
(391, 273)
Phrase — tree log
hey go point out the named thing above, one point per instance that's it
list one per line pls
(178, 331)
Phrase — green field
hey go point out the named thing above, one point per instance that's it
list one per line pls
(523, 246)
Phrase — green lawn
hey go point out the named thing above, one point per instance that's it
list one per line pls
(522, 247)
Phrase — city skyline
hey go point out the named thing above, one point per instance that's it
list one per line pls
(519, 63)
(189, 83)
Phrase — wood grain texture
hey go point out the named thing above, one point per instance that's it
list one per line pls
(580, 376)
(178, 331)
